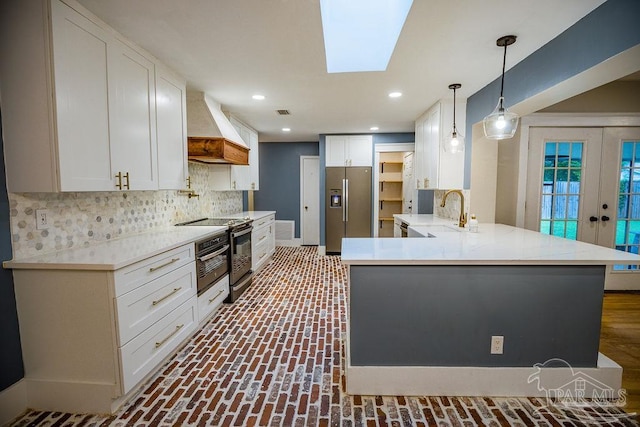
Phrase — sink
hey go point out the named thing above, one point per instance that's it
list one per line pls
(443, 228)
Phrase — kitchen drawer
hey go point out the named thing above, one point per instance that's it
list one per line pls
(209, 301)
(143, 354)
(145, 305)
(141, 272)
(264, 221)
(260, 253)
(260, 236)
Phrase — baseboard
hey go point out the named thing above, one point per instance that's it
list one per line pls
(293, 242)
(13, 402)
(477, 381)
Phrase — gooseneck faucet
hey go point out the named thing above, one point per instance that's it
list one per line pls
(463, 217)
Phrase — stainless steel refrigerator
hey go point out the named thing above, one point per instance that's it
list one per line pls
(348, 205)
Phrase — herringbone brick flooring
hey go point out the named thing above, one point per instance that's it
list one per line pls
(275, 358)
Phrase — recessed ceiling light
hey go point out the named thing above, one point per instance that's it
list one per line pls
(395, 94)
(374, 128)
(286, 129)
(258, 97)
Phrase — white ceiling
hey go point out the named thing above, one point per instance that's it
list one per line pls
(232, 49)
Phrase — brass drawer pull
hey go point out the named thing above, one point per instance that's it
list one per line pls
(126, 175)
(175, 331)
(262, 238)
(158, 301)
(152, 269)
(119, 184)
(217, 295)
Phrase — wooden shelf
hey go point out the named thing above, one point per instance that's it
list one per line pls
(391, 200)
(386, 219)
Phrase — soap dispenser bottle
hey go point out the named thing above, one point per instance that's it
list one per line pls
(473, 224)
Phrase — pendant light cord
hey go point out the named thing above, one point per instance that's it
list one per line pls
(454, 111)
(504, 62)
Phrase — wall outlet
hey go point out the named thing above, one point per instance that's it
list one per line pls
(42, 219)
(497, 344)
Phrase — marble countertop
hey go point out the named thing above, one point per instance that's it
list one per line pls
(423, 219)
(494, 244)
(254, 215)
(117, 253)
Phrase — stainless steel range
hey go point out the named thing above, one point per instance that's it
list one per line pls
(240, 274)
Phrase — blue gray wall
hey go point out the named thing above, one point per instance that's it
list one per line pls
(280, 178)
(608, 30)
(11, 368)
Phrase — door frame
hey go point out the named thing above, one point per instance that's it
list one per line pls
(302, 181)
(383, 148)
(558, 120)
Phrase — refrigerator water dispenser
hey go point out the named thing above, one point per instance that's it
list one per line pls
(336, 198)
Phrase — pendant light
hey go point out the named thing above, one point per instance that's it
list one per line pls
(501, 123)
(454, 142)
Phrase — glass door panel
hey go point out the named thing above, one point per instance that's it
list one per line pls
(627, 234)
(561, 189)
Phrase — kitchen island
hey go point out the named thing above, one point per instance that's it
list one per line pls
(464, 313)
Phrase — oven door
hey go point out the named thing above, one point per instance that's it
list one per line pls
(240, 254)
(211, 267)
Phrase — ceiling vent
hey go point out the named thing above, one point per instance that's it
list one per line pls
(283, 112)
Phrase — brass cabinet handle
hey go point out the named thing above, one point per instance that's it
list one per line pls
(158, 301)
(217, 295)
(262, 238)
(175, 331)
(119, 184)
(126, 175)
(152, 269)
(189, 182)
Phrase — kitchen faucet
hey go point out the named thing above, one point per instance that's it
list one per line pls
(463, 216)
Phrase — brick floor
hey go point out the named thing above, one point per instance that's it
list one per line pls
(275, 358)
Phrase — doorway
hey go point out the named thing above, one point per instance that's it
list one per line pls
(584, 184)
(310, 200)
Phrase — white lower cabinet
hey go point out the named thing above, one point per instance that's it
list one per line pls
(90, 337)
(143, 354)
(263, 240)
(210, 301)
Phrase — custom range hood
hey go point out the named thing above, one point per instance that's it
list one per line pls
(211, 137)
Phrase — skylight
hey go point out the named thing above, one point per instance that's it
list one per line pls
(360, 35)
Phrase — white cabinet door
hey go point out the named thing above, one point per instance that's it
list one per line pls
(335, 150)
(348, 150)
(171, 123)
(433, 168)
(254, 161)
(432, 147)
(80, 75)
(132, 117)
(419, 153)
(359, 150)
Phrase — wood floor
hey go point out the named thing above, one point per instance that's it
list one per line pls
(620, 340)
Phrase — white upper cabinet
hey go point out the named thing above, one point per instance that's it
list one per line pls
(433, 167)
(79, 105)
(81, 82)
(235, 177)
(348, 150)
(132, 119)
(172, 130)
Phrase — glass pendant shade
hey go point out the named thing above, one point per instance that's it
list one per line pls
(501, 123)
(454, 142)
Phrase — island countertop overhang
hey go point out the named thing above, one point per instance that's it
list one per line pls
(494, 244)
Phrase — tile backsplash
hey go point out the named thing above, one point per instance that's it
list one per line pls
(80, 219)
(452, 208)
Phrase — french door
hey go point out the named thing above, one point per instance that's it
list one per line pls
(584, 184)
